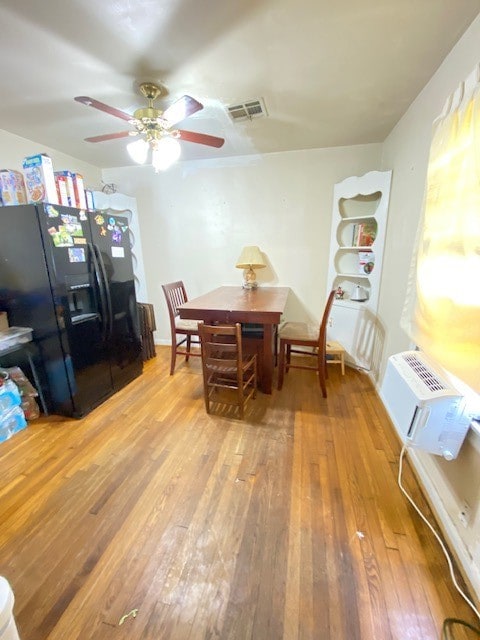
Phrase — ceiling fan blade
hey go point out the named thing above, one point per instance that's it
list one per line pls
(110, 136)
(181, 109)
(90, 102)
(201, 138)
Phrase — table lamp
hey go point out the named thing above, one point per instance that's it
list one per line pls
(251, 258)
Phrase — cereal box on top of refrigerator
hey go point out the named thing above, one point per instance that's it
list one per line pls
(12, 187)
(40, 179)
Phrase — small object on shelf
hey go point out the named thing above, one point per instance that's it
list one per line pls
(359, 294)
(366, 262)
(364, 233)
(339, 293)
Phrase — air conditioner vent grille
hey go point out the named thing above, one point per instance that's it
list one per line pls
(430, 380)
(247, 110)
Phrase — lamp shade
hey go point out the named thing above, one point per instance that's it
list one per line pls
(251, 257)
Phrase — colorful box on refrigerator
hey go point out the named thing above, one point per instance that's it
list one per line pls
(40, 179)
(12, 187)
(90, 199)
(61, 182)
(79, 188)
(67, 178)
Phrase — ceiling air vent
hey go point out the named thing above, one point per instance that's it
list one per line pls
(247, 110)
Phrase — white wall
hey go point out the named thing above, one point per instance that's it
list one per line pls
(406, 150)
(196, 217)
(13, 149)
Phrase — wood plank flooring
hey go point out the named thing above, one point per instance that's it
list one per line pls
(287, 525)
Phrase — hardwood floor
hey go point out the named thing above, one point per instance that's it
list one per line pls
(289, 524)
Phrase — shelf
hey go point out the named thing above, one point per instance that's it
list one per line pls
(357, 218)
(352, 275)
(352, 230)
(354, 261)
(349, 303)
(370, 247)
(360, 207)
(361, 204)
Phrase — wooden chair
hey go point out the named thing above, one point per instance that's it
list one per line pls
(175, 295)
(299, 334)
(229, 376)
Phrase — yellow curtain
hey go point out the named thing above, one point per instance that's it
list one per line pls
(445, 322)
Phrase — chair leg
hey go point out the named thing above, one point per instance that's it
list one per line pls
(241, 402)
(281, 365)
(275, 345)
(173, 356)
(322, 374)
(206, 394)
(189, 339)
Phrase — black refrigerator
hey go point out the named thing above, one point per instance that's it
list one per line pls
(68, 274)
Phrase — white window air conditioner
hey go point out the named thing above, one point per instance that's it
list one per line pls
(427, 412)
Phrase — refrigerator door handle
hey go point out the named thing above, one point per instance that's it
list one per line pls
(106, 289)
(101, 291)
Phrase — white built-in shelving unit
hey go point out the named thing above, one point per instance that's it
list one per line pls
(357, 200)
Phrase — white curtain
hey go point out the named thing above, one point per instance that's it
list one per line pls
(442, 310)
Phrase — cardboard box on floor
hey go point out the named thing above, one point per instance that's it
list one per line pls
(3, 320)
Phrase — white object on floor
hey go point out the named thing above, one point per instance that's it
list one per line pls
(8, 628)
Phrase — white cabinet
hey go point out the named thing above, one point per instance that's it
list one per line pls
(359, 219)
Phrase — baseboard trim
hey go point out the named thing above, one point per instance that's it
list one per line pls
(466, 564)
(470, 571)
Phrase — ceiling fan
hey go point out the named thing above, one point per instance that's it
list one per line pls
(155, 127)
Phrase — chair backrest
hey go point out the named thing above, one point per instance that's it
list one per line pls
(322, 335)
(222, 348)
(175, 295)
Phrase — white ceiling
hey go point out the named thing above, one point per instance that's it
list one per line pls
(331, 72)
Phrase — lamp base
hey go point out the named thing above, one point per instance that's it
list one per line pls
(249, 279)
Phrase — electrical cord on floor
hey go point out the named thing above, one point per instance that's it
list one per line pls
(448, 621)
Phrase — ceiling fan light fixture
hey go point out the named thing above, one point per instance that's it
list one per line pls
(155, 127)
(165, 152)
(138, 150)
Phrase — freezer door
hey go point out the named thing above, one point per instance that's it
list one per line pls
(80, 307)
(110, 237)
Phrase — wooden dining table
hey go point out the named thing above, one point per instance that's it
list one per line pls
(262, 306)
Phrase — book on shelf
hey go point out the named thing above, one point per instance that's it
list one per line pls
(364, 234)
